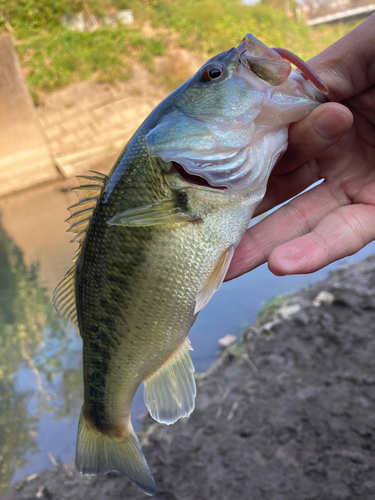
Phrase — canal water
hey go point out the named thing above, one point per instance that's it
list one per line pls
(40, 369)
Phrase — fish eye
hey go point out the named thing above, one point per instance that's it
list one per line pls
(211, 72)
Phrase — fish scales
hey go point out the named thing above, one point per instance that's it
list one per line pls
(114, 282)
(162, 232)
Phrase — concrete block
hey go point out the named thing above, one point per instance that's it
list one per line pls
(53, 118)
(85, 133)
(53, 132)
(70, 111)
(56, 148)
(83, 160)
(85, 104)
(24, 157)
(105, 111)
(71, 125)
(69, 141)
(116, 120)
(85, 119)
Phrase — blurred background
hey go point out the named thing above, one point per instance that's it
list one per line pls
(76, 80)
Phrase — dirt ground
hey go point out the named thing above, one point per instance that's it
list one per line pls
(289, 415)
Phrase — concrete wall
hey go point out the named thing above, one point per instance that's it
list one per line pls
(24, 157)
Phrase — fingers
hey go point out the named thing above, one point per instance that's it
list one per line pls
(283, 187)
(291, 221)
(314, 135)
(310, 138)
(339, 234)
(365, 104)
(347, 67)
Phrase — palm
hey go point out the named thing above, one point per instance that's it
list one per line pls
(335, 218)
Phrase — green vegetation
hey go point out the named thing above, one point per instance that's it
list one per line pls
(27, 17)
(211, 26)
(271, 305)
(52, 60)
(234, 351)
(52, 56)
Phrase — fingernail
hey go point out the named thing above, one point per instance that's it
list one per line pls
(330, 124)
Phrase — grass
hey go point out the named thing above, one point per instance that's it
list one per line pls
(326, 34)
(234, 351)
(53, 60)
(271, 305)
(212, 26)
(53, 57)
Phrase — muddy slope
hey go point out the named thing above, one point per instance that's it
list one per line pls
(291, 416)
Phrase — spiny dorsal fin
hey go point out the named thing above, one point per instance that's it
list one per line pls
(64, 297)
(90, 190)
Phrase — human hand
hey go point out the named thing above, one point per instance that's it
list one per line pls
(336, 143)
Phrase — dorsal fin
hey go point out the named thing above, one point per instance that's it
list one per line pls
(90, 190)
(64, 297)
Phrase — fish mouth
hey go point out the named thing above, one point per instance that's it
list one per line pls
(192, 179)
(273, 65)
(262, 61)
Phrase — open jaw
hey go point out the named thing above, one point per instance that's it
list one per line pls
(190, 178)
(273, 65)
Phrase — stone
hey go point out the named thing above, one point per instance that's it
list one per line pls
(24, 157)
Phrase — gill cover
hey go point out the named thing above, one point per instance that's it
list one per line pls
(229, 122)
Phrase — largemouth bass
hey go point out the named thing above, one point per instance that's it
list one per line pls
(158, 234)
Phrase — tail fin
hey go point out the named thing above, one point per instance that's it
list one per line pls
(99, 453)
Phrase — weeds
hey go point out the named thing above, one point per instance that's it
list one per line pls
(173, 71)
(53, 57)
(234, 351)
(271, 306)
(53, 60)
(28, 17)
(211, 26)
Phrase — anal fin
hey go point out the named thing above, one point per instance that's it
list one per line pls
(214, 281)
(170, 392)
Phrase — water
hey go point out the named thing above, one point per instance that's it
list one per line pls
(40, 353)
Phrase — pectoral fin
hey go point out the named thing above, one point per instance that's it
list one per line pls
(163, 212)
(169, 393)
(214, 281)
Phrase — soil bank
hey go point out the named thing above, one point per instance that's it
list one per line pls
(287, 415)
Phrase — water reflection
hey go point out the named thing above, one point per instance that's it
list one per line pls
(17, 430)
(33, 344)
(71, 393)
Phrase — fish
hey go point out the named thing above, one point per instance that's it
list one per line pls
(157, 235)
